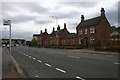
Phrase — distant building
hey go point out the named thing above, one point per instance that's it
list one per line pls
(14, 41)
(93, 30)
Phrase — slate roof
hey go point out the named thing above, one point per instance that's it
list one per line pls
(89, 22)
(71, 35)
(36, 34)
(57, 32)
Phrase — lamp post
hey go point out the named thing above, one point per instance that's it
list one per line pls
(8, 22)
(56, 20)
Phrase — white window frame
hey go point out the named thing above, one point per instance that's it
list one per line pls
(92, 30)
(85, 31)
(92, 39)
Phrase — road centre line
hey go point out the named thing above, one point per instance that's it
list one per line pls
(26, 55)
(30, 57)
(39, 61)
(116, 63)
(60, 70)
(78, 77)
(33, 58)
(47, 64)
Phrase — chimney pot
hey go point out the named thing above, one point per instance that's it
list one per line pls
(82, 18)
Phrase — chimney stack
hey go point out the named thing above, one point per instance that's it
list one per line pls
(45, 30)
(58, 28)
(41, 32)
(53, 29)
(102, 12)
(64, 25)
(82, 18)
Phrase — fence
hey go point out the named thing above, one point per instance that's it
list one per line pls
(109, 45)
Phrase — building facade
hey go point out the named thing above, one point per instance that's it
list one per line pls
(88, 33)
(93, 30)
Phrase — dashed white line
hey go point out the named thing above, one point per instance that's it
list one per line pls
(116, 63)
(39, 61)
(33, 58)
(30, 57)
(47, 64)
(60, 70)
(78, 77)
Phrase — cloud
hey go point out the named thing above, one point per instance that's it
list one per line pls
(35, 15)
(34, 7)
(82, 4)
(43, 21)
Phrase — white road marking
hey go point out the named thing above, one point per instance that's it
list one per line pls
(33, 58)
(60, 70)
(47, 64)
(73, 56)
(80, 78)
(29, 56)
(116, 63)
(39, 61)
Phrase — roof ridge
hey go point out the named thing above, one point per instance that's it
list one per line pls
(92, 18)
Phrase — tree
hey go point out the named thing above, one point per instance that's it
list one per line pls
(34, 42)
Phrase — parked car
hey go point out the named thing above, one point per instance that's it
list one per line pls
(8, 46)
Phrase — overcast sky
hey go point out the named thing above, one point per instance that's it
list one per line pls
(29, 18)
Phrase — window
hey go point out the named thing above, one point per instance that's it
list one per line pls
(92, 40)
(85, 31)
(80, 32)
(80, 41)
(73, 41)
(92, 30)
(56, 35)
(64, 41)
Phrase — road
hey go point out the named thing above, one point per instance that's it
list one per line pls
(62, 63)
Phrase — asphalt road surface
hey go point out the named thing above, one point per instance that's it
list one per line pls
(62, 63)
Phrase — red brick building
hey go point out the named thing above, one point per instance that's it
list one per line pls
(42, 36)
(93, 30)
(88, 32)
(70, 39)
(56, 36)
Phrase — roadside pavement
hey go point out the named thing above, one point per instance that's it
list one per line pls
(8, 68)
(92, 51)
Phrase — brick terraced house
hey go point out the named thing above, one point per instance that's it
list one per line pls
(56, 36)
(88, 32)
(42, 36)
(93, 30)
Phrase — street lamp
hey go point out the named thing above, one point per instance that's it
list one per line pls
(56, 19)
(8, 22)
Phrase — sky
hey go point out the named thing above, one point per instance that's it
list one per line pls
(28, 18)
